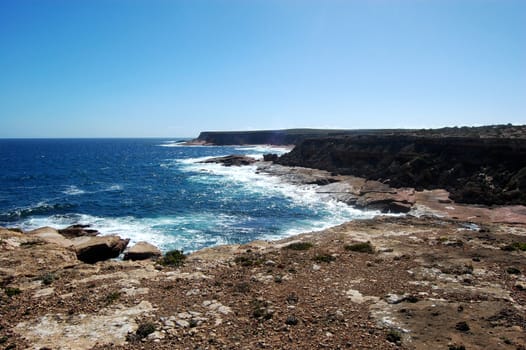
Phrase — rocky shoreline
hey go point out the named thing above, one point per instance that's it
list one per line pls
(443, 276)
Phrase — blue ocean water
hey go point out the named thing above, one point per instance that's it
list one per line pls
(155, 190)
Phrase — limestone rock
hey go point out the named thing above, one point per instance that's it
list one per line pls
(50, 235)
(142, 251)
(93, 249)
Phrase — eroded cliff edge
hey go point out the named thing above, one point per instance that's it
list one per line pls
(479, 165)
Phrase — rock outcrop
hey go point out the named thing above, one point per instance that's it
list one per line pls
(93, 249)
(78, 231)
(474, 170)
(231, 160)
(142, 251)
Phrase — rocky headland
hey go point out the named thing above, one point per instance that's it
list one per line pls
(485, 168)
(442, 275)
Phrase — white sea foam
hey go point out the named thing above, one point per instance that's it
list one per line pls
(73, 191)
(333, 212)
(191, 231)
(262, 149)
(115, 187)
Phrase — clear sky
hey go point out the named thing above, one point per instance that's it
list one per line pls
(118, 68)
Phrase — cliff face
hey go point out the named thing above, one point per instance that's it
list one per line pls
(474, 170)
(273, 137)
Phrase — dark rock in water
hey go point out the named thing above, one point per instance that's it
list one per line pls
(270, 157)
(93, 249)
(142, 251)
(482, 170)
(78, 231)
(232, 160)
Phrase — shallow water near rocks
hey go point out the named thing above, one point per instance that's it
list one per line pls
(155, 190)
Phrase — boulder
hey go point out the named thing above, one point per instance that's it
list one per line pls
(142, 251)
(232, 160)
(93, 249)
(78, 231)
(50, 235)
(270, 157)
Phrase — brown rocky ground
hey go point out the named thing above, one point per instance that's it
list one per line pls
(433, 282)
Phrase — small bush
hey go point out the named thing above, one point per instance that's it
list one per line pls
(173, 258)
(456, 347)
(242, 287)
(3, 339)
(299, 246)
(364, 247)
(244, 260)
(513, 271)
(112, 297)
(47, 278)
(142, 332)
(261, 310)
(327, 258)
(10, 291)
(462, 326)
(394, 336)
(516, 246)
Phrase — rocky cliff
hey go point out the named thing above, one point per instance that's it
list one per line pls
(273, 137)
(474, 169)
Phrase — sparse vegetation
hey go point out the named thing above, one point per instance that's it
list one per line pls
(456, 347)
(462, 326)
(513, 271)
(112, 297)
(394, 336)
(364, 247)
(173, 258)
(12, 291)
(242, 287)
(247, 260)
(142, 331)
(515, 246)
(327, 258)
(261, 310)
(299, 246)
(47, 278)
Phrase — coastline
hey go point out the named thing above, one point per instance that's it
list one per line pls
(431, 249)
(440, 256)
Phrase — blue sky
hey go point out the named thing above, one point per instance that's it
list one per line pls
(121, 68)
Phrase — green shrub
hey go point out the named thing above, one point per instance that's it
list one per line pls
(142, 332)
(10, 291)
(145, 329)
(112, 297)
(324, 258)
(364, 247)
(456, 347)
(244, 260)
(515, 247)
(47, 278)
(394, 336)
(173, 258)
(513, 271)
(299, 246)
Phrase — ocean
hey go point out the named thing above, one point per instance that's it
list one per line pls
(156, 190)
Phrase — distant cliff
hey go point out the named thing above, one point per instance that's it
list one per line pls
(484, 170)
(273, 137)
